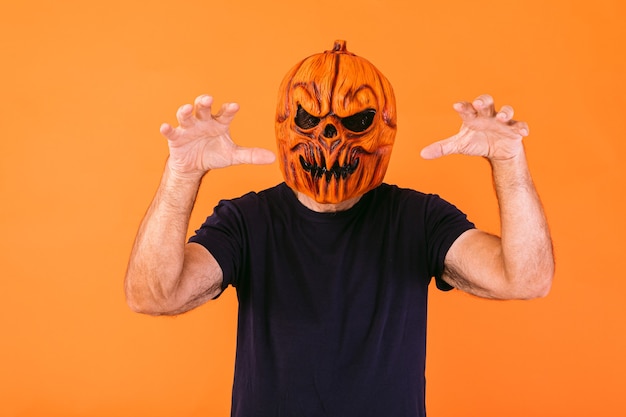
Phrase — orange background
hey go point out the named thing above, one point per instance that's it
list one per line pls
(85, 85)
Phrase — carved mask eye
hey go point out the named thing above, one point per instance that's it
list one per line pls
(305, 120)
(360, 121)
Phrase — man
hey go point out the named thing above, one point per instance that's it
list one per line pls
(332, 267)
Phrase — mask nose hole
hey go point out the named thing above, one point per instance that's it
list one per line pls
(330, 131)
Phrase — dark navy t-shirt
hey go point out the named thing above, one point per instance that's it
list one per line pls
(332, 306)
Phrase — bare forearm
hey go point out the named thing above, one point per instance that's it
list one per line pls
(157, 257)
(527, 256)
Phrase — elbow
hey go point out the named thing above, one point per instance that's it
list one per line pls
(142, 305)
(543, 280)
(540, 290)
(138, 306)
(148, 307)
(145, 300)
(544, 289)
(536, 286)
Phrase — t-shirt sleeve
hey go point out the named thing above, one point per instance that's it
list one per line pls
(222, 234)
(444, 223)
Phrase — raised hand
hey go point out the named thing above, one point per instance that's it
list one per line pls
(202, 140)
(484, 132)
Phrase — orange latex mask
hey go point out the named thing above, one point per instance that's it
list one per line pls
(335, 125)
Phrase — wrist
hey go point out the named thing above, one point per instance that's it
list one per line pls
(511, 172)
(180, 176)
(510, 162)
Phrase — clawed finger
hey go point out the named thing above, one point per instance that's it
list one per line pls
(522, 128)
(465, 110)
(505, 114)
(166, 129)
(484, 105)
(203, 107)
(185, 115)
(227, 113)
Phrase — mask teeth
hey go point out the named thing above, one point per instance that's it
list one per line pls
(307, 167)
(322, 160)
(312, 155)
(337, 171)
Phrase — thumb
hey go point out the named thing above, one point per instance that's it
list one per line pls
(438, 149)
(256, 156)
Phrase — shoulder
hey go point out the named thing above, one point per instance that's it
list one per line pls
(427, 212)
(391, 193)
(255, 199)
(253, 211)
(394, 195)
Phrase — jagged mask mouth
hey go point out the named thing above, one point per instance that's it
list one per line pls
(320, 170)
(337, 166)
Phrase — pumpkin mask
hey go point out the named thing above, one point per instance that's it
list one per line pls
(335, 126)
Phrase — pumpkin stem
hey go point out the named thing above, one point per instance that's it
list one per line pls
(340, 46)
